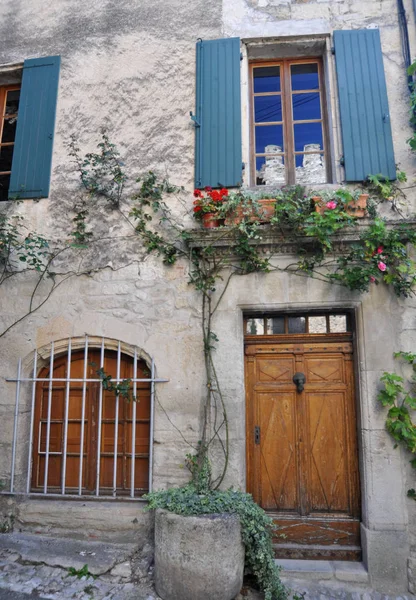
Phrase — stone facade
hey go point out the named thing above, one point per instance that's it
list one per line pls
(130, 66)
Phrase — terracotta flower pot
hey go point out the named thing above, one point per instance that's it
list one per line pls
(210, 221)
(263, 214)
(356, 208)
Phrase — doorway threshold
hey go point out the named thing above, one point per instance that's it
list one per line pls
(339, 570)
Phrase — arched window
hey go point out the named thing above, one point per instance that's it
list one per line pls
(81, 412)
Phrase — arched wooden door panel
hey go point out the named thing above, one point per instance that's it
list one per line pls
(88, 427)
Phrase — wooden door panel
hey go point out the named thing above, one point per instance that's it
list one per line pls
(324, 369)
(268, 371)
(328, 470)
(304, 471)
(278, 487)
(312, 531)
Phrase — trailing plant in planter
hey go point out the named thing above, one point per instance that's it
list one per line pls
(256, 527)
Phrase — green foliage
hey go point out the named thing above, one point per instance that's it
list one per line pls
(80, 573)
(380, 256)
(200, 469)
(412, 140)
(397, 396)
(80, 235)
(123, 388)
(256, 528)
(101, 172)
(17, 245)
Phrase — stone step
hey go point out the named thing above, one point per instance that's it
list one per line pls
(324, 569)
(100, 557)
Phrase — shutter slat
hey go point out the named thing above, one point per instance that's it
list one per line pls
(32, 155)
(364, 110)
(218, 155)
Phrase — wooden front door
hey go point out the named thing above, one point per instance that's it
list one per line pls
(302, 444)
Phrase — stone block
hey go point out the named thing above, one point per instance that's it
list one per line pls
(199, 556)
(385, 554)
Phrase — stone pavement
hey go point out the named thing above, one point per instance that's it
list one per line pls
(39, 567)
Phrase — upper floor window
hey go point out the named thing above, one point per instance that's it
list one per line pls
(26, 142)
(288, 123)
(9, 104)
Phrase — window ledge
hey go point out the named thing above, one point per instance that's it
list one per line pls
(279, 242)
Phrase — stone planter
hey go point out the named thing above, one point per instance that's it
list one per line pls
(356, 208)
(264, 213)
(198, 558)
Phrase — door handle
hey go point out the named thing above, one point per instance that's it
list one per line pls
(299, 380)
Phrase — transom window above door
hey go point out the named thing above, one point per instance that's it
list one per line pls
(289, 142)
(311, 324)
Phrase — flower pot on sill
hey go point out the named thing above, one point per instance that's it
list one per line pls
(262, 214)
(356, 208)
(210, 221)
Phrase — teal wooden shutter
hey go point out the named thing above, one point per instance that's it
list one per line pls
(364, 109)
(32, 155)
(218, 158)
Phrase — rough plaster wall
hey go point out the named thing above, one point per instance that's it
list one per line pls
(130, 66)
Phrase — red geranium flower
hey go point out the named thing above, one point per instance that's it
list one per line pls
(197, 193)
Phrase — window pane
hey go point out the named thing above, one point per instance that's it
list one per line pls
(297, 324)
(317, 324)
(307, 134)
(4, 187)
(270, 170)
(12, 102)
(305, 77)
(310, 168)
(6, 154)
(266, 79)
(338, 323)
(306, 106)
(9, 130)
(275, 325)
(269, 138)
(267, 108)
(255, 326)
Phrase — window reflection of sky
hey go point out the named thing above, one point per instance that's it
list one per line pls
(306, 106)
(267, 108)
(267, 135)
(307, 133)
(266, 79)
(305, 77)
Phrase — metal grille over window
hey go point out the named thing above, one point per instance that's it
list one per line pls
(88, 414)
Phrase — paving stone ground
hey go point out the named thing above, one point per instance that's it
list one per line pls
(25, 576)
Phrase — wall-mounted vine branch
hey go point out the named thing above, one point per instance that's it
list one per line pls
(397, 396)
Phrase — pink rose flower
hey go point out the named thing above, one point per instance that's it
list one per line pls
(380, 249)
(372, 278)
(331, 204)
(382, 266)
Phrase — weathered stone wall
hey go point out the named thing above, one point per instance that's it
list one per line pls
(130, 67)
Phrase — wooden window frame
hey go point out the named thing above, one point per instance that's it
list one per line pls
(3, 96)
(288, 122)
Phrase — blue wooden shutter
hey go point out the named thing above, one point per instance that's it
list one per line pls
(218, 158)
(32, 155)
(364, 109)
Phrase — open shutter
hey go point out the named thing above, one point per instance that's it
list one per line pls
(364, 109)
(32, 156)
(218, 157)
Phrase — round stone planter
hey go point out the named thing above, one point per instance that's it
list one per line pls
(198, 558)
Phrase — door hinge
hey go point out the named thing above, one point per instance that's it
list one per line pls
(257, 435)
